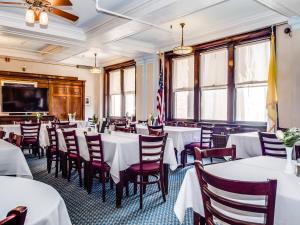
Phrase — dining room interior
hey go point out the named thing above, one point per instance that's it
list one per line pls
(149, 112)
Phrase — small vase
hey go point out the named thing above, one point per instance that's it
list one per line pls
(289, 169)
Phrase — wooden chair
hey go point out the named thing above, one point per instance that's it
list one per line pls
(123, 129)
(133, 128)
(73, 154)
(31, 135)
(171, 123)
(270, 145)
(219, 140)
(2, 134)
(156, 130)
(10, 138)
(216, 153)
(204, 143)
(52, 152)
(96, 163)
(207, 180)
(16, 216)
(143, 121)
(151, 164)
(17, 140)
(57, 124)
(103, 125)
(67, 126)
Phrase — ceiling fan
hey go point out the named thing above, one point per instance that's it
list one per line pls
(37, 10)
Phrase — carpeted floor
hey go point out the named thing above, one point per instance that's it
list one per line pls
(88, 209)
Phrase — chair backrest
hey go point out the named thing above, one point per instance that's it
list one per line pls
(156, 130)
(10, 138)
(120, 125)
(74, 125)
(206, 136)
(30, 130)
(95, 147)
(270, 145)
(16, 216)
(57, 124)
(219, 140)
(103, 125)
(71, 142)
(17, 140)
(209, 183)
(216, 153)
(171, 123)
(2, 134)
(53, 138)
(143, 121)
(133, 128)
(152, 149)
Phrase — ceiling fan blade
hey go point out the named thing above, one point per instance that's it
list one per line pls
(60, 2)
(64, 14)
(12, 3)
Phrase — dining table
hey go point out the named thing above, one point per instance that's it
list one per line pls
(121, 150)
(44, 204)
(181, 136)
(12, 161)
(260, 168)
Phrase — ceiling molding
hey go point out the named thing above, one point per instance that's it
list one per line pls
(278, 7)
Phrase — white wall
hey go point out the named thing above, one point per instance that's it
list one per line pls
(93, 82)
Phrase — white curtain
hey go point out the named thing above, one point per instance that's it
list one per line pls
(115, 92)
(251, 74)
(183, 87)
(129, 89)
(213, 80)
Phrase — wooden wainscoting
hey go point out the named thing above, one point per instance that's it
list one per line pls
(66, 94)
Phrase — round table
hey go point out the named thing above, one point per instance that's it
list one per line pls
(44, 204)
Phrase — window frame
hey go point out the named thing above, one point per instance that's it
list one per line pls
(106, 91)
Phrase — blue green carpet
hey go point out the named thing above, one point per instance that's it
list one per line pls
(88, 209)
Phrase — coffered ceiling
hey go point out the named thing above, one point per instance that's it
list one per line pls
(116, 39)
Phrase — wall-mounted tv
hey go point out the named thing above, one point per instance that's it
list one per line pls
(24, 99)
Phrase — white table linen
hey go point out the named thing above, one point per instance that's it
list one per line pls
(16, 128)
(44, 204)
(80, 123)
(121, 150)
(258, 168)
(181, 136)
(12, 161)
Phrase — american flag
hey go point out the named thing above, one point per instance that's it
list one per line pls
(160, 96)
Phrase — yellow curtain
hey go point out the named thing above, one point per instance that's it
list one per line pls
(272, 89)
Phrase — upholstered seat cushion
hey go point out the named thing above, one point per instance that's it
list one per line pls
(147, 168)
(193, 145)
(73, 156)
(29, 141)
(101, 165)
(52, 149)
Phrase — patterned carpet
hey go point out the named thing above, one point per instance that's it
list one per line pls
(85, 209)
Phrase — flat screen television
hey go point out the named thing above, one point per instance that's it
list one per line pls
(24, 99)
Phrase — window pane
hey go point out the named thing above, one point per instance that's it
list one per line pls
(130, 104)
(214, 68)
(115, 82)
(214, 104)
(184, 105)
(115, 105)
(183, 72)
(251, 104)
(129, 79)
(252, 62)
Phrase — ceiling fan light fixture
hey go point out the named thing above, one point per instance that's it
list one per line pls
(43, 18)
(182, 49)
(30, 16)
(95, 69)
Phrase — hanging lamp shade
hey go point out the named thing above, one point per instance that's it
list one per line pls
(95, 69)
(182, 49)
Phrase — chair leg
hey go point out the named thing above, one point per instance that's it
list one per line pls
(111, 183)
(78, 165)
(56, 165)
(90, 174)
(162, 187)
(103, 185)
(141, 192)
(145, 178)
(176, 152)
(135, 186)
(69, 170)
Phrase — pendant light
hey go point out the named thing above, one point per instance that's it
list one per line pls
(43, 18)
(95, 69)
(30, 17)
(182, 50)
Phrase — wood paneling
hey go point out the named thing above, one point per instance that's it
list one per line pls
(66, 94)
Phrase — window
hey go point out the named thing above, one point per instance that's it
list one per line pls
(122, 92)
(183, 87)
(251, 75)
(213, 80)
(129, 90)
(115, 94)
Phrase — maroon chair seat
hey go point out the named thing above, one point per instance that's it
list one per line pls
(31, 134)
(16, 216)
(29, 141)
(146, 168)
(96, 164)
(151, 153)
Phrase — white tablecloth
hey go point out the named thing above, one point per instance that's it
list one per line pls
(121, 150)
(80, 123)
(12, 161)
(181, 135)
(258, 168)
(16, 128)
(45, 206)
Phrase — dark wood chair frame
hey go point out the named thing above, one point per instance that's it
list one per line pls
(266, 149)
(52, 151)
(16, 216)
(156, 130)
(31, 131)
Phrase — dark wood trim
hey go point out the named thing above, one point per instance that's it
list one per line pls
(197, 61)
(120, 65)
(122, 92)
(230, 85)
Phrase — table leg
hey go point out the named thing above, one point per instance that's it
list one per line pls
(119, 190)
(198, 219)
(166, 178)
